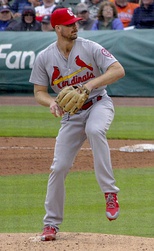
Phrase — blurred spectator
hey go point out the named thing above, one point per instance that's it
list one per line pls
(143, 17)
(93, 6)
(35, 3)
(45, 9)
(133, 1)
(4, 2)
(28, 21)
(6, 18)
(57, 7)
(46, 24)
(71, 4)
(107, 18)
(82, 11)
(125, 10)
(18, 5)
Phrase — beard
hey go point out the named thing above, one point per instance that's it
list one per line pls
(72, 36)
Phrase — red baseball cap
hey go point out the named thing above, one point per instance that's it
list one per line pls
(63, 16)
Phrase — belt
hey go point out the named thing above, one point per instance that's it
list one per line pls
(90, 103)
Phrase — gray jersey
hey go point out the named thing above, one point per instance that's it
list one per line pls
(86, 61)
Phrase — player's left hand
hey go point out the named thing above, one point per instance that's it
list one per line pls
(71, 99)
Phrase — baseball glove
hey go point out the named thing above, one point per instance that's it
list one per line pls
(72, 98)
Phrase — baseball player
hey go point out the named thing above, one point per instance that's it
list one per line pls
(73, 62)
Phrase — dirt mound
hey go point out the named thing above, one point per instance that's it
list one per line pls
(76, 242)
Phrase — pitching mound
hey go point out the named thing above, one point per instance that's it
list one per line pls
(76, 242)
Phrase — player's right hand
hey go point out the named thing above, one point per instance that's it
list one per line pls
(56, 110)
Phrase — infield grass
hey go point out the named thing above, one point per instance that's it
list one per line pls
(22, 203)
(37, 121)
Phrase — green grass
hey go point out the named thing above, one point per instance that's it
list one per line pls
(28, 121)
(132, 123)
(22, 203)
(37, 121)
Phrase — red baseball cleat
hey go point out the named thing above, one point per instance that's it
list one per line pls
(112, 206)
(49, 234)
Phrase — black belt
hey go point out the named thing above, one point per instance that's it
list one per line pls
(90, 103)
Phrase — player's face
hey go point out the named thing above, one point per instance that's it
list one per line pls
(70, 31)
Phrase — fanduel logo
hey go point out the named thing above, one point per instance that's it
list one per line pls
(16, 59)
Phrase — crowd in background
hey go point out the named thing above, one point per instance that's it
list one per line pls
(35, 15)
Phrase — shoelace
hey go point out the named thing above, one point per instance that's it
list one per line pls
(111, 201)
(48, 229)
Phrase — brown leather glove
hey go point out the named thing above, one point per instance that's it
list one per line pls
(71, 98)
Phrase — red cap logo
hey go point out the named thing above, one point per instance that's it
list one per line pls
(63, 16)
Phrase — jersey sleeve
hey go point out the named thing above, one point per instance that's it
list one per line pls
(102, 57)
(38, 75)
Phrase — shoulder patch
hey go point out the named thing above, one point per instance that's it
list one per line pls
(106, 53)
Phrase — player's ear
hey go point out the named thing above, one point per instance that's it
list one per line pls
(57, 28)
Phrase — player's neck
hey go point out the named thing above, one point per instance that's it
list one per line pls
(65, 48)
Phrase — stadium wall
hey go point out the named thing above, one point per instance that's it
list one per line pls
(133, 48)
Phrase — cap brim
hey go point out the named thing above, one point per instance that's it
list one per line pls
(72, 21)
(5, 10)
(80, 11)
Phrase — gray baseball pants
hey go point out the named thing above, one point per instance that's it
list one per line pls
(91, 124)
